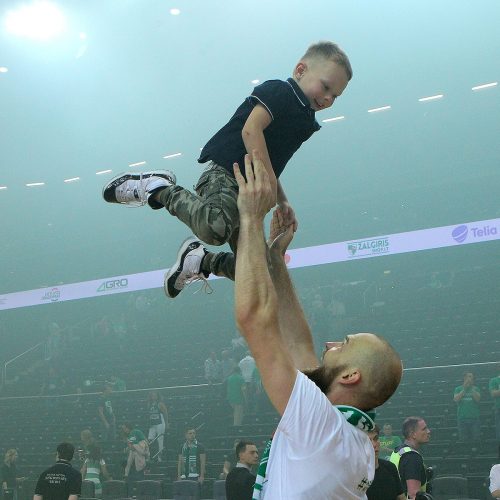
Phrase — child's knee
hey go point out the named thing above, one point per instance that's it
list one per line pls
(216, 231)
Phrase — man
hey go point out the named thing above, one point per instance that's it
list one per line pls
(235, 395)
(247, 367)
(61, 481)
(495, 478)
(319, 450)
(467, 397)
(388, 442)
(213, 369)
(8, 475)
(192, 459)
(407, 457)
(138, 453)
(240, 481)
(107, 415)
(386, 484)
(494, 387)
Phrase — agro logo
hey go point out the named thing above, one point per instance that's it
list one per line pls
(53, 295)
(106, 286)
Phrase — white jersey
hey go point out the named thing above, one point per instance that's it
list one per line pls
(495, 478)
(316, 454)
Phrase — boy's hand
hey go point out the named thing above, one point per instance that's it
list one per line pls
(289, 218)
(280, 236)
(255, 196)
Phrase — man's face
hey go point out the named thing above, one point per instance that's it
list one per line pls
(422, 433)
(468, 379)
(190, 435)
(375, 442)
(250, 456)
(387, 430)
(321, 80)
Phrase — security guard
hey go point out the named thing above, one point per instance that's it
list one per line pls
(407, 457)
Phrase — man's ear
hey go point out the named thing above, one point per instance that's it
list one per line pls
(350, 376)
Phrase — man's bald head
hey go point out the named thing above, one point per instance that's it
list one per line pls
(370, 371)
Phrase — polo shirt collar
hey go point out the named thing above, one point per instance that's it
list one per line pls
(242, 466)
(298, 92)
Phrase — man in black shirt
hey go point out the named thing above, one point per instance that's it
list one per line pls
(386, 484)
(408, 459)
(61, 481)
(240, 481)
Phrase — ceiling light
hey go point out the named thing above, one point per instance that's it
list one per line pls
(73, 179)
(172, 155)
(431, 98)
(103, 172)
(255, 82)
(335, 119)
(138, 164)
(485, 86)
(3, 69)
(33, 184)
(83, 36)
(3, 187)
(39, 20)
(376, 110)
(175, 12)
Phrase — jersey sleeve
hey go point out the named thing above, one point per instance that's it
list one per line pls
(410, 466)
(39, 488)
(309, 416)
(274, 95)
(75, 488)
(493, 384)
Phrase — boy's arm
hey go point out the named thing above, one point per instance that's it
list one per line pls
(253, 138)
(286, 209)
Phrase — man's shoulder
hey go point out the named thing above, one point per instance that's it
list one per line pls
(239, 471)
(459, 388)
(387, 465)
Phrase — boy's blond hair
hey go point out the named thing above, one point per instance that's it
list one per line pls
(331, 51)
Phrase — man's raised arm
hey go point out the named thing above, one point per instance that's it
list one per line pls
(294, 328)
(256, 301)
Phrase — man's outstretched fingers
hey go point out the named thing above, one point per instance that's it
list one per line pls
(249, 174)
(238, 176)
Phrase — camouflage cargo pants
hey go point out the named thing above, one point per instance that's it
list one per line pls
(211, 213)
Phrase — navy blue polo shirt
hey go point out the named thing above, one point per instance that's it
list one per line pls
(293, 122)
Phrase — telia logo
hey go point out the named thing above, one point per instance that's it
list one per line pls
(460, 233)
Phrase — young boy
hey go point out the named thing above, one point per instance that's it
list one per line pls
(275, 120)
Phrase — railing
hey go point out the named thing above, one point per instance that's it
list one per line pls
(38, 354)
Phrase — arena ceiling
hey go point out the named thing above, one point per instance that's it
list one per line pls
(127, 81)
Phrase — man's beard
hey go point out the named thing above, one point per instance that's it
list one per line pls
(323, 376)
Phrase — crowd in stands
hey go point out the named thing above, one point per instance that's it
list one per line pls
(461, 406)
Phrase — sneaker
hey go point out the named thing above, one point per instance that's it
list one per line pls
(133, 189)
(187, 267)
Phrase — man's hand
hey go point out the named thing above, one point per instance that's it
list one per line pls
(288, 215)
(280, 234)
(255, 196)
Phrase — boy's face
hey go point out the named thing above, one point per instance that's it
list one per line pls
(321, 80)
